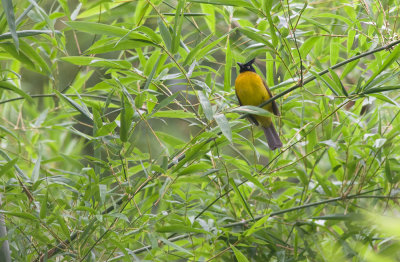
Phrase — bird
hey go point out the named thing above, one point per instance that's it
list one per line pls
(251, 90)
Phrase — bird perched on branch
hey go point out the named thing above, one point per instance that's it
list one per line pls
(252, 90)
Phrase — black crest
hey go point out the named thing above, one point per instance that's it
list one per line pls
(247, 67)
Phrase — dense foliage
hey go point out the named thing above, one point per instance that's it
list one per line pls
(121, 138)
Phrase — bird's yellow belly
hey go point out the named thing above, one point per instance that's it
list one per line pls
(250, 90)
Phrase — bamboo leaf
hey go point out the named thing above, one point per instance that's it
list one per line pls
(126, 118)
(82, 109)
(104, 29)
(240, 196)
(180, 229)
(210, 18)
(206, 105)
(228, 67)
(176, 37)
(36, 168)
(7, 166)
(174, 114)
(239, 255)
(253, 110)
(10, 86)
(165, 34)
(389, 60)
(238, 3)
(192, 54)
(224, 126)
(166, 101)
(9, 11)
(338, 83)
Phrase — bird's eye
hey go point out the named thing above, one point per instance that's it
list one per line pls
(248, 67)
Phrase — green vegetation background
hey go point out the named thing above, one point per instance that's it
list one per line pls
(121, 138)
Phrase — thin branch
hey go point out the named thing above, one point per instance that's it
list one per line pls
(174, 162)
(244, 222)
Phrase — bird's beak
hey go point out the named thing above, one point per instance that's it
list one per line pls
(239, 64)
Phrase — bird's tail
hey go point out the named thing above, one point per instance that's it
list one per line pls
(272, 136)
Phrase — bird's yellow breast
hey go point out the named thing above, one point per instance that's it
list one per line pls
(250, 89)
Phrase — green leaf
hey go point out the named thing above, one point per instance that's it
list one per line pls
(253, 110)
(255, 181)
(338, 83)
(120, 216)
(238, 3)
(271, 24)
(306, 47)
(350, 39)
(270, 64)
(380, 89)
(210, 18)
(106, 129)
(258, 225)
(176, 36)
(8, 132)
(206, 105)
(192, 54)
(152, 73)
(104, 29)
(180, 229)
(43, 205)
(389, 60)
(240, 196)
(201, 52)
(335, 16)
(192, 153)
(19, 214)
(174, 246)
(10, 86)
(195, 168)
(97, 62)
(104, 46)
(156, 38)
(82, 109)
(10, 164)
(348, 68)
(165, 34)
(166, 101)
(224, 126)
(35, 57)
(170, 139)
(328, 82)
(228, 67)
(174, 114)
(102, 193)
(334, 50)
(126, 118)
(316, 23)
(239, 255)
(25, 33)
(385, 99)
(256, 36)
(20, 56)
(36, 168)
(388, 172)
(9, 11)
(20, 172)
(61, 223)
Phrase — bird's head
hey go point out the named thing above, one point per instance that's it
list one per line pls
(247, 66)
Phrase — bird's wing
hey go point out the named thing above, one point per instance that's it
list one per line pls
(250, 117)
(275, 108)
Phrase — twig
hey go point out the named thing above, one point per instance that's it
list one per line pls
(244, 222)
(119, 202)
